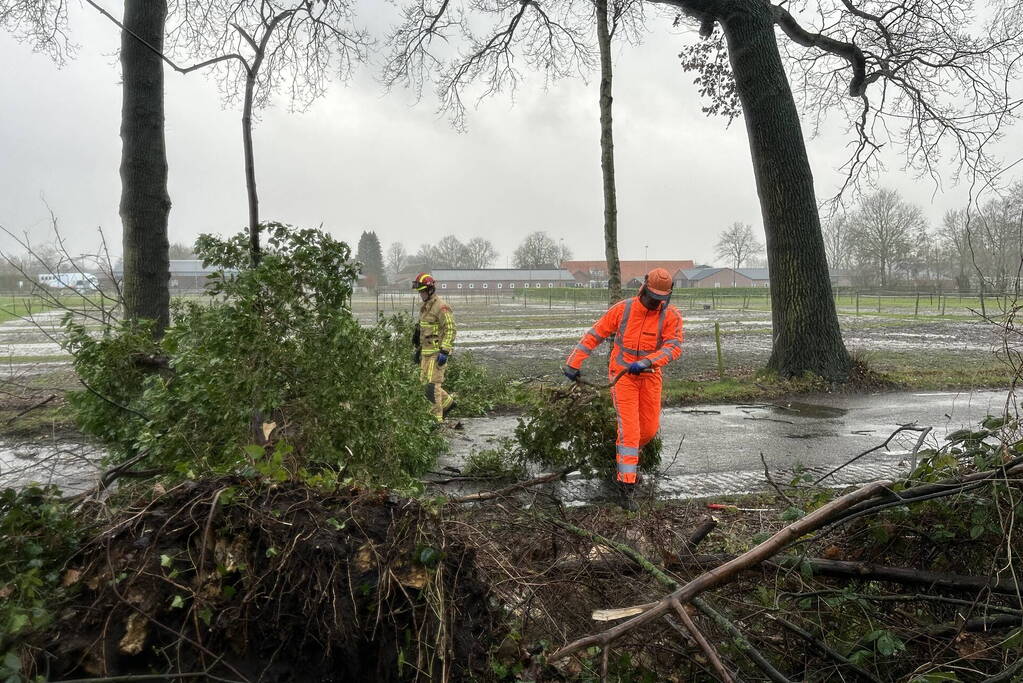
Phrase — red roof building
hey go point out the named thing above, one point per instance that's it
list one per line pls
(594, 273)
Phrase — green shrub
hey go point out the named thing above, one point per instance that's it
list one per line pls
(563, 428)
(37, 536)
(271, 346)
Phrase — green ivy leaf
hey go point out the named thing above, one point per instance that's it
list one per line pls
(177, 602)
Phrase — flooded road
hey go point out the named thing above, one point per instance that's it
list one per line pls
(715, 449)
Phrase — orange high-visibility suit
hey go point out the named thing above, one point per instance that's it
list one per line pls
(639, 333)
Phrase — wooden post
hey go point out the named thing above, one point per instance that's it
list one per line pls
(917, 311)
(878, 303)
(857, 302)
(717, 342)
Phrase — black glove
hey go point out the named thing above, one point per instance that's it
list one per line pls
(571, 373)
(415, 335)
(417, 356)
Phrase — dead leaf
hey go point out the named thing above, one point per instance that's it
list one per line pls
(71, 577)
(136, 631)
(268, 429)
(412, 577)
(364, 558)
(230, 555)
(159, 489)
(6, 591)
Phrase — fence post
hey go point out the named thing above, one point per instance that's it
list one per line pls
(550, 299)
(917, 311)
(878, 303)
(717, 342)
(857, 303)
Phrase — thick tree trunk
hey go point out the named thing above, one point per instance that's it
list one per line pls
(807, 337)
(145, 203)
(607, 159)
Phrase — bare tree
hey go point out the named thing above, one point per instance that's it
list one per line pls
(538, 250)
(178, 251)
(883, 231)
(397, 259)
(836, 242)
(449, 252)
(625, 15)
(41, 23)
(257, 48)
(479, 253)
(737, 244)
(956, 245)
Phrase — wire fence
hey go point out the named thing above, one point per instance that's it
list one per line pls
(952, 304)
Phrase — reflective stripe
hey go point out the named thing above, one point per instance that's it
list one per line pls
(628, 450)
(660, 324)
(627, 469)
(583, 349)
(622, 326)
(593, 333)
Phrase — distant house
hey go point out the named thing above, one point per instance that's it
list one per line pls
(75, 280)
(490, 280)
(758, 277)
(594, 273)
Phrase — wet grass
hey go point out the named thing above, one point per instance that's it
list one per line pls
(48, 420)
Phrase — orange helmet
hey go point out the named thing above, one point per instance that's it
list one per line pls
(423, 281)
(658, 284)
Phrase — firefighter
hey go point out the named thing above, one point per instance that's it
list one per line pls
(434, 339)
(647, 333)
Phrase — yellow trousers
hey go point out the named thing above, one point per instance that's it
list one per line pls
(432, 377)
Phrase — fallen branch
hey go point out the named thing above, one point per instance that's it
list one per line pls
(739, 639)
(501, 493)
(698, 636)
(770, 480)
(727, 572)
(32, 407)
(870, 572)
(911, 427)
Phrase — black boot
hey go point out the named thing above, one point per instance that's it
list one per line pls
(627, 496)
(449, 409)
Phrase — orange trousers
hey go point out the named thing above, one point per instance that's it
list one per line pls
(637, 400)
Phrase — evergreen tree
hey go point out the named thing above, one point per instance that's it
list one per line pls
(371, 256)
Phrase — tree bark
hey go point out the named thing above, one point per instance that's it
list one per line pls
(250, 165)
(807, 337)
(607, 158)
(145, 202)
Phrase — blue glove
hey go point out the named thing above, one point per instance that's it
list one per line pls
(442, 358)
(571, 373)
(639, 366)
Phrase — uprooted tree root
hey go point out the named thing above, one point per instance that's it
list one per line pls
(239, 580)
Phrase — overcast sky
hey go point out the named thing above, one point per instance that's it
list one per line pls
(362, 160)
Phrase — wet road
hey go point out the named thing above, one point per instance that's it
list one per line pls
(718, 447)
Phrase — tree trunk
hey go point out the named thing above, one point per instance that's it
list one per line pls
(607, 159)
(807, 337)
(250, 165)
(145, 203)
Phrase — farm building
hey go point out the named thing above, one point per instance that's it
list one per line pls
(186, 275)
(722, 277)
(594, 273)
(468, 280)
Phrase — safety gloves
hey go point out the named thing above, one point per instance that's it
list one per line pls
(639, 366)
(442, 357)
(571, 373)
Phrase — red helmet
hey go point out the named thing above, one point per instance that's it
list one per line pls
(423, 281)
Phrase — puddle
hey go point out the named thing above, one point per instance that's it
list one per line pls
(812, 410)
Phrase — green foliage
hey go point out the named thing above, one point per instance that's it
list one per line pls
(562, 429)
(37, 536)
(273, 354)
(477, 390)
(496, 462)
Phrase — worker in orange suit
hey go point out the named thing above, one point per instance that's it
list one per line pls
(647, 333)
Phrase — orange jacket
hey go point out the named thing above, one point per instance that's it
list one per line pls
(638, 333)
